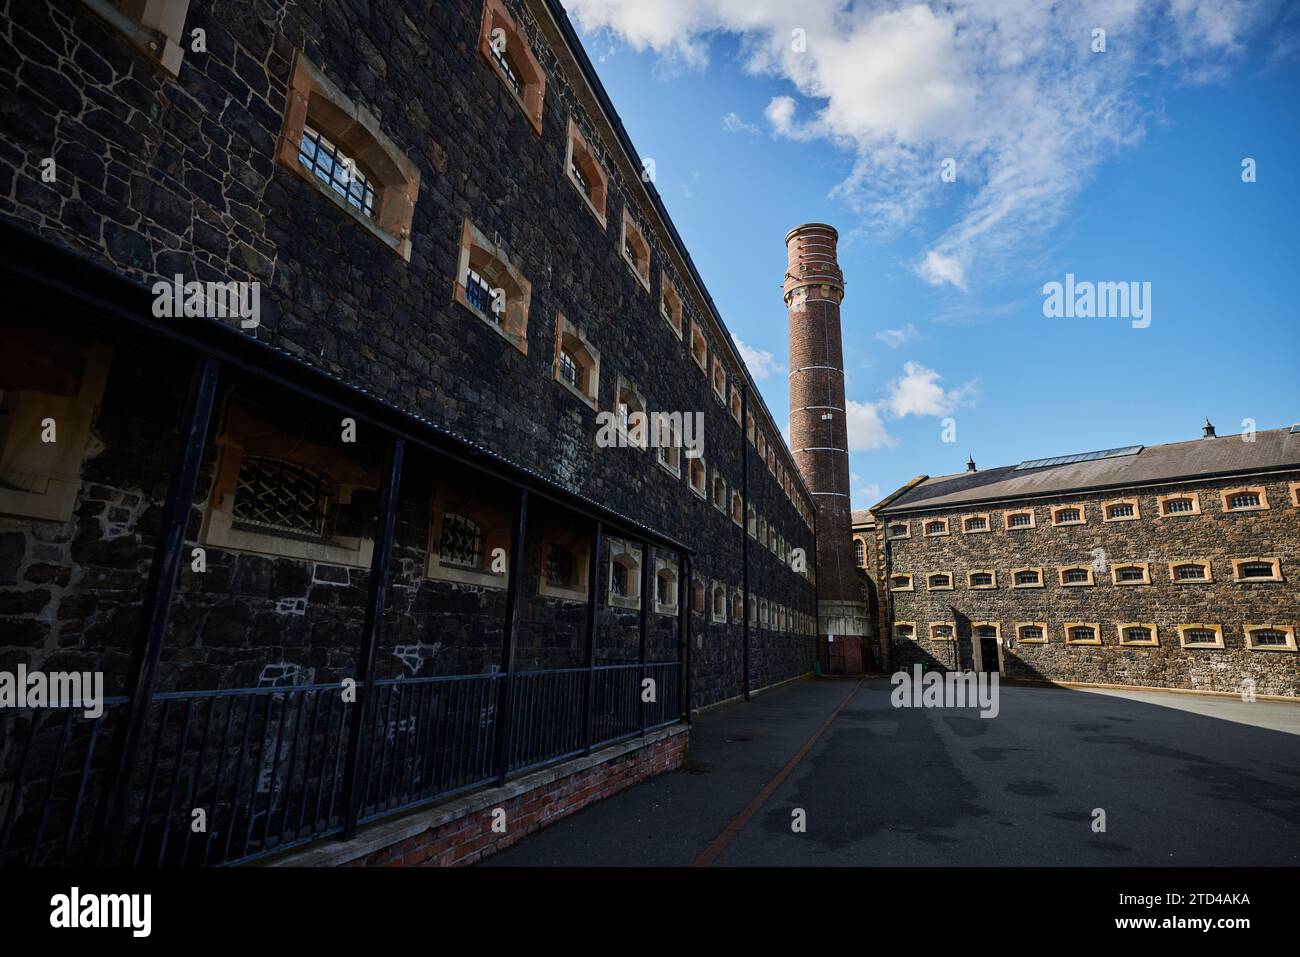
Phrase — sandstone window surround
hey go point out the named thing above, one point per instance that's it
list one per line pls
(737, 606)
(1138, 634)
(1252, 498)
(753, 610)
(154, 27)
(939, 581)
(665, 586)
(1190, 572)
(1200, 635)
(1269, 637)
(719, 492)
(46, 378)
(629, 408)
(635, 250)
(577, 361)
(1179, 505)
(315, 102)
(719, 380)
(1121, 510)
(699, 347)
(1075, 576)
(905, 630)
(899, 530)
(1130, 573)
(1256, 569)
(697, 596)
(982, 579)
(1294, 488)
(502, 296)
(565, 556)
(624, 574)
(749, 428)
(733, 405)
(507, 52)
(670, 305)
(469, 537)
(771, 458)
(275, 492)
(974, 524)
(1027, 578)
(718, 602)
(697, 477)
(587, 176)
(901, 581)
(1072, 514)
(737, 509)
(1031, 632)
(762, 531)
(753, 523)
(935, 527)
(943, 631)
(669, 452)
(761, 443)
(1082, 633)
(764, 613)
(1018, 519)
(986, 629)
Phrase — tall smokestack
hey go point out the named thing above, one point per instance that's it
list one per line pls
(813, 289)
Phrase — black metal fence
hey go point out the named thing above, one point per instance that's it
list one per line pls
(224, 777)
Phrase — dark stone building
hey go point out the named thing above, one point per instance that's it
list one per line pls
(372, 355)
(1170, 566)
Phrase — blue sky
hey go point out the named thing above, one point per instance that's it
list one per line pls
(1122, 165)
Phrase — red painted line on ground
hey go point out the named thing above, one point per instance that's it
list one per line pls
(732, 830)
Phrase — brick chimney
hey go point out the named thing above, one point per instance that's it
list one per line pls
(813, 289)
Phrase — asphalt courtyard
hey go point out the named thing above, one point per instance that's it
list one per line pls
(1184, 780)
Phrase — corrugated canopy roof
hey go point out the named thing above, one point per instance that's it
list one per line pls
(1226, 455)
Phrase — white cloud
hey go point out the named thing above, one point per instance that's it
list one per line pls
(761, 363)
(1010, 90)
(732, 123)
(918, 392)
(869, 494)
(897, 337)
(866, 429)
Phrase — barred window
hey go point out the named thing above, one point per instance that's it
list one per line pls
(904, 631)
(336, 170)
(279, 496)
(507, 68)
(1031, 633)
(1244, 500)
(859, 553)
(1131, 573)
(1123, 510)
(1020, 520)
(479, 294)
(976, 524)
(940, 581)
(981, 579)
(986, 631)
(461, 543)
(937, 527)
(1138, 634)
(1178, 505)
(664, 590)
(1255, 570)
(898, 531)
(1068, 515)
(558, 566)
(1082, 633)
(570, 371)
(1033, 578)
(1268, 636)
(618, 581)
(1190, 572)
(576, 172)
(941, 631)
(1200, 636)
(1075, 575)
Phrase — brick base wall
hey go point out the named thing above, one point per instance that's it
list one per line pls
(460, 831)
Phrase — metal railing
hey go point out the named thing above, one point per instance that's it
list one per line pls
(226, 777)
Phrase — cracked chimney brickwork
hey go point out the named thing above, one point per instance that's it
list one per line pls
(813, 289)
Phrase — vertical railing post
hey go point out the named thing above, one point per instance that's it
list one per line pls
(684, 632)
(376, 586)
(593, 604)
(156, 602)
(648, 595)
(504, 729)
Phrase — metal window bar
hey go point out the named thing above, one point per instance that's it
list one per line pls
(479, 295)
(275, 495)
(507, 69)
(337, 170)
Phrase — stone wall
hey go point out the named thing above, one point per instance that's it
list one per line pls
(1212, 535)
(160, 175)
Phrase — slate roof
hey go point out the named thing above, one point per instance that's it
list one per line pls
(1272, 450)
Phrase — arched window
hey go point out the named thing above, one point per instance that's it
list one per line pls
(636, 251)
(859, 553)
